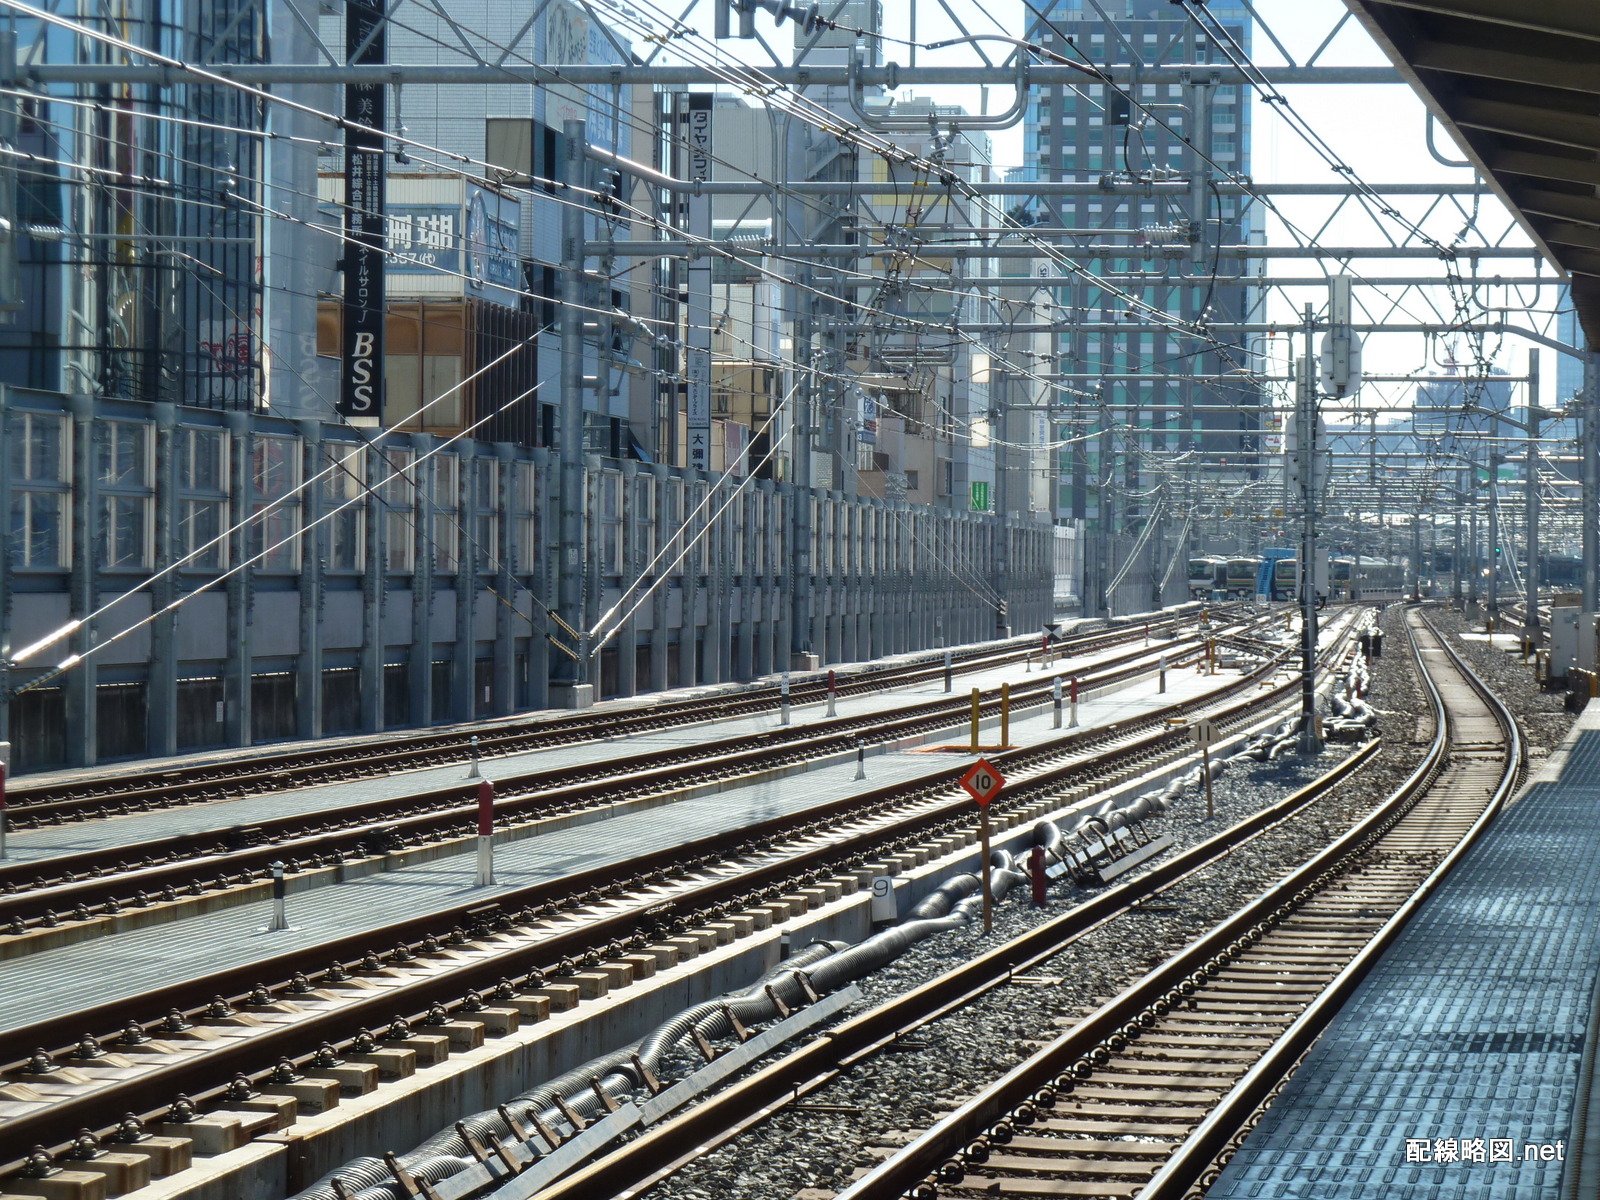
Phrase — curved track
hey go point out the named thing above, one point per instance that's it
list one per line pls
(529, 933)
(92, 886)
(1141, 1097)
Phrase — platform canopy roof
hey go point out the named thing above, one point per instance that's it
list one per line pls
(1518, 84)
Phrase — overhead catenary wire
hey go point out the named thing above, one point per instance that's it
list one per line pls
(840, 376)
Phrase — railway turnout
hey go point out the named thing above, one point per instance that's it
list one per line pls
(645, 870)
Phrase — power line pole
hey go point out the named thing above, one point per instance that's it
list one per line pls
(1590, 514)
(1493, 587)
(1306, 458)
(1530, 620)
(573, 568)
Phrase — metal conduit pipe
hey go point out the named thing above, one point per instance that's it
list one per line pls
(447, 1153)
(827, 965)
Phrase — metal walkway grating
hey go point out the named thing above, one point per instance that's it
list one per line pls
(1467, 1033)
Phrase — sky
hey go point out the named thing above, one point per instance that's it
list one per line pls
(1378, 130)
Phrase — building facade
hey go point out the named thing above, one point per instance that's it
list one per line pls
(1172, 439)
(204, 554)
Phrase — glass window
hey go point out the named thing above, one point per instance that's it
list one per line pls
(486, 520)
(127, 499)
(758, 530)
(344, 490)
(611, 522)
(400, 516)
(125, 455)
(525, 533)
(39, 448)
(274, 541)
(200, 539)
(38, 534)
(40, 492)
(446, 529)
(202, 467)
(201, 460)
(127, 532)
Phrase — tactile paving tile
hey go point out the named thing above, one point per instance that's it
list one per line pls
(1470, 1027)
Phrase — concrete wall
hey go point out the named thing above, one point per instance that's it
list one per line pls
(358, 587)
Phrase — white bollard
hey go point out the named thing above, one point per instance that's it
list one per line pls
(280, 914)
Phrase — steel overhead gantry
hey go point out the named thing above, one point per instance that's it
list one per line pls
(678, 248)
(803, 75)
(1514, 81)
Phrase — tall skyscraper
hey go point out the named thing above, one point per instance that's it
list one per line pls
(1196, 133)
(1569, 370)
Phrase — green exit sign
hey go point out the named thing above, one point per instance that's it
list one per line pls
(980, 497)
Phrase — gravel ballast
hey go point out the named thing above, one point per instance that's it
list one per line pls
(819, 1143)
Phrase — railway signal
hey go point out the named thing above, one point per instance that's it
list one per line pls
(983, 783)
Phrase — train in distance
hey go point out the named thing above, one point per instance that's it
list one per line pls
(1275, 575)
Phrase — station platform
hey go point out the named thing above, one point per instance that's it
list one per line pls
(1462, 1066)
(53, 984)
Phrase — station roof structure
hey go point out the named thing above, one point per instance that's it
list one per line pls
(1517, 83)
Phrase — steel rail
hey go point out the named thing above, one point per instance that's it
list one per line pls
(1194, 1159)
(986, 1123)
(655, 1155)
(123, 792)
(199, 1077)
(100, 877)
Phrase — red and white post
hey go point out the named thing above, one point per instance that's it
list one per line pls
(831, 694)
(485, 833)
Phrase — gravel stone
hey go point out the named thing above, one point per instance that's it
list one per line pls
(822, 1142)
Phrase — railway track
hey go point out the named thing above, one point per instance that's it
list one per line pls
(1144, 1097)
(443, 968)
(99, 885)
(133, 791)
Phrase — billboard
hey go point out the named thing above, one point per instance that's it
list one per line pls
(447, 237)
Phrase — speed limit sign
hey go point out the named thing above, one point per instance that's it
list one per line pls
(983, 782)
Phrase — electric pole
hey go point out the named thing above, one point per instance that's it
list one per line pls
(1305, 422)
